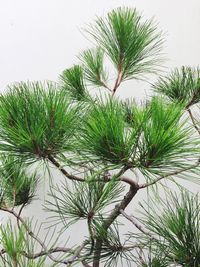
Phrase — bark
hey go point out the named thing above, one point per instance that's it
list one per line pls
(111, 218)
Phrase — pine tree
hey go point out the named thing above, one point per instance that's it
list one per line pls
(93, 141)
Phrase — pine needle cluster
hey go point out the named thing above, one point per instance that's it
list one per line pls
(106, 151)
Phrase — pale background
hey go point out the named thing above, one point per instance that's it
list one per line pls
(40, 38)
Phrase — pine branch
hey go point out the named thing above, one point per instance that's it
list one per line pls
(193, 120)
(118, 81)
(76, 178)
(93, 67)
(111, 218)
(30, 233)
(45, 251)
(19, 215)
(174, 220)
(85, 264)
(42, 121)
(64, 172)
(137, 225)
(181, 85)
(133, 45)
(141, 186)
(76, 255)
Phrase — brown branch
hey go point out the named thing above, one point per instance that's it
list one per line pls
(193, 120)
(105, 86)
(46, 252)
(97, 253)
(111, 218)
(76, 255)
(136, 224)
(85, 264)
(192, 100)
(51, 251)
(73, 177)
(19, 214)
(118, 81)
(141, 186)
(98, 76)
(30, 233)
(128, 180)
(2, 251)
(64, 172)
(121, 206)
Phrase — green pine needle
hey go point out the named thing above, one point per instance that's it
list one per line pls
(72, 82)
(156, 259)
(84, 200)
(17, 186)
(114, 250)
(105, 135)
(36, 120)
(181, 85)
(167, 142)
(133, 45)
(176, 223)
(92, 60)
(13, 241)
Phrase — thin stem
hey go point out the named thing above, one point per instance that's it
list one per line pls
(46, 252)
(123, 178)
(76, 178)
(85, 264)
(15, 264)
(19, 214)
(2, 251)
(118, 81)
(30, 233)
(168, 175)
(64, 172)
(105, 86)
(136, 224)
(76, 254)
(193, 120)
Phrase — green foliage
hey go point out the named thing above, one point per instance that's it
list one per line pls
(129, 113)
(101, 139)
(36, 120)
(32, 263)
(85, 200)
(93, 66)
(114, 250)
(72, 82)
(132, 44)
(166, 141)
(155, 262)
(136, 116)
(154, 138)
(38, 262)
(13, 241)
(152, 257)
(17, 186)
(105, 135)
(176, 223)
(181, 85)
(5, 261)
